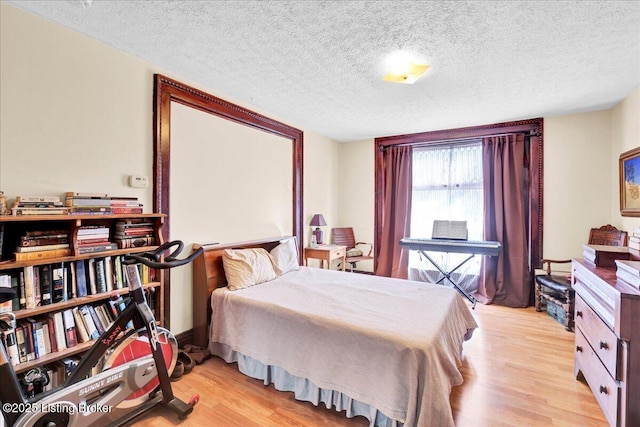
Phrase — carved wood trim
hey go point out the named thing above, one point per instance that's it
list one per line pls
(531, 127)
(167, 90)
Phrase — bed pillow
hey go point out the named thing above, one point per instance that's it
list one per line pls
(247, 267)
(285, 256)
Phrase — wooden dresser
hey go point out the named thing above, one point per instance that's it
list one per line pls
(607, 353)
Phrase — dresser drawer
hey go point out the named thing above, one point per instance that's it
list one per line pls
(603, 341)
(603, 386)
(338, 253)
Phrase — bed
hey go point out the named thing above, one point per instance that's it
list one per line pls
(386, 349)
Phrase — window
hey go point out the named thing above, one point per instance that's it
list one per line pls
(447, 185)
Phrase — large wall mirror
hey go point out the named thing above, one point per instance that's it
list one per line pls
(223, 174)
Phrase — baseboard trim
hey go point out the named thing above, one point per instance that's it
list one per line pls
(185, 338)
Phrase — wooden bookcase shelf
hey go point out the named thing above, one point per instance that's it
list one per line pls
(13, 227)
(75, 302)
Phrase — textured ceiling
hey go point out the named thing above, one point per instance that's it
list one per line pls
(318, 65)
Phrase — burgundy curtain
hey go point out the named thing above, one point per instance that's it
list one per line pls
(396, 212)
(505, 278)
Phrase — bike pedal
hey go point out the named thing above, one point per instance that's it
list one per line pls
(179, 407)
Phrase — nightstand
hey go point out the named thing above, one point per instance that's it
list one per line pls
(326, 253)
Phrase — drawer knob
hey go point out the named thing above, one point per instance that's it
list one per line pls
(604, 345)
(603, 390)
(578, 313)
(579, 349)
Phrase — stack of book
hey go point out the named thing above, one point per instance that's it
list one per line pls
(94, 238)
(603, 255)
(50, 205)
(628, 272)
(40, 244)
(134, 233)
(634, 239)
(101, 204)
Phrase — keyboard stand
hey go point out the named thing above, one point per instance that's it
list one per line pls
(447, 275)
(487, 248)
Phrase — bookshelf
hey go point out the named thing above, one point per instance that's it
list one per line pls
(12, 232)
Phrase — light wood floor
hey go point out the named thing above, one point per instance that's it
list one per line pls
(517, 368)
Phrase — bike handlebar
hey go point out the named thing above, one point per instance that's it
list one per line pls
(152, 258)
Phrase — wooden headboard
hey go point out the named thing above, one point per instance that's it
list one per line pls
(208, 274)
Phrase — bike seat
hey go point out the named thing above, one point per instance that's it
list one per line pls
(7, 294)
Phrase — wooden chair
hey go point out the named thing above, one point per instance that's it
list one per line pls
(556, 287)
(344, 236)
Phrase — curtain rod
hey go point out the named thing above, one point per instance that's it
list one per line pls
(456, 140)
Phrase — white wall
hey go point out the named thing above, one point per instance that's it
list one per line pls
(576, 181)
(356, 199)
(625, 136)
(76, 115)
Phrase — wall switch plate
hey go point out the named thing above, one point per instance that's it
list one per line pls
(138, 181)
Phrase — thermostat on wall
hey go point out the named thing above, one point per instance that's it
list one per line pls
(138, 181)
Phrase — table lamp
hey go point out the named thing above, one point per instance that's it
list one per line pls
(318, 221)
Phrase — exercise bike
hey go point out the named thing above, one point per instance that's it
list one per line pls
(135, 365)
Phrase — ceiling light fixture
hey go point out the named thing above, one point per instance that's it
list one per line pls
(403, 68)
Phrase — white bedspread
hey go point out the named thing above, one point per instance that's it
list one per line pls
(391, 343)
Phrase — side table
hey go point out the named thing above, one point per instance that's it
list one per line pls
(326, 253)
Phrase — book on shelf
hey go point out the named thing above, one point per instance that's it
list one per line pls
(39, 211)
(82, 333)
(22, 349)
(92, 330)
(134, 232)
(46, 337)
(134, 242)
(133, 223)
(58, 283)
(46, 284)
(37, 290)
(70, 328)
(93, 241)
(101, 247)
(39, 255)
(58, 325)
(35, 234)
(96, 319)
(85, 195)
(105, 319)
(101, 276)
(5, 282)
(11, 345)
(92, 287)
(29, 287)
(23, 292)
(1, 238)
(81, 278)
(42, 248)
(86, 202)
(28, 339)
(38, 337)
(37, 199)
(51, 239)
(126, 210)
(108, 272)
(118, 277)
(77, 210)
(93, 229)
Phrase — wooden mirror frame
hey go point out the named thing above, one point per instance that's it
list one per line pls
(167, 90)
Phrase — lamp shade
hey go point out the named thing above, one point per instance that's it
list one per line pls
(318, 221)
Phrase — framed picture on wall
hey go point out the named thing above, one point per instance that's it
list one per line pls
(630, 183)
